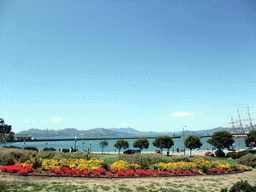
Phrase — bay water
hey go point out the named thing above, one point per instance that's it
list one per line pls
(95, 147)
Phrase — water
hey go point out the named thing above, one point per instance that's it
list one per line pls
(178, 143)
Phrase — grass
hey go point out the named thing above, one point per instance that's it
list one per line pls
(111, 160)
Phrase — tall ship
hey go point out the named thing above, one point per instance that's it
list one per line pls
(240, 130)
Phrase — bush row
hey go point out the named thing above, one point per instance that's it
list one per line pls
(11, 156)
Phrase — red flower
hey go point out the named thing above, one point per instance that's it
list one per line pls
(120, 173)
(222, 170)
(229, 170)
(197, 171)
(187, 172)
(95, 172)
(215, 170)
(110, 174)
(86, 172)
(102, 171)
(112, 171)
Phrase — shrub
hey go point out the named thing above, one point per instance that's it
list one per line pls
(24, 158)
(31, 148)
(65, 150)
(206, 158)
(12, 147)
(235, 155)
(248, 160)
(180, 158)
(242, 186)
(144, 160)
(49, 149)
(46, 155)
(105, 166)
(81, 155)
(7, 160)
(16, 154)
(37, 163)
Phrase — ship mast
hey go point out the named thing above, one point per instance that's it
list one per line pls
(250, 118)
(233, 125)
(241, 126)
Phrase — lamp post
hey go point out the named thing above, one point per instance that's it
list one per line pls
(24, 144)
(82, 144)
(75, 141)
(90, 146)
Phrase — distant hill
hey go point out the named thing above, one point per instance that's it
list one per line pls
(71, 132)
(113, 132)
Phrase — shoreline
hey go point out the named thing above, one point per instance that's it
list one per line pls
(187, 152)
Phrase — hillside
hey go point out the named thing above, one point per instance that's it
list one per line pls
(113, 132)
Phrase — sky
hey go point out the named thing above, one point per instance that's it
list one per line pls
(149, 65)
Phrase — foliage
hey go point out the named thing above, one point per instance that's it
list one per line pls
(24, 158)
(221, 139)
(206, 158)
(251, 138)
(46, 154)
(103, 144)
(49, 149)
(242, 186)
(236, 155)
(144, 159)
(12, 147)
(31, 148)
(163, 142)
(179, 158)
(193, 142)
(66, 150)
(249, 160)
(141, 143)
(121, 144)
(7, 159)
(5, 129)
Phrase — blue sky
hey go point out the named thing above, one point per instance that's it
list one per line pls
(149, 65)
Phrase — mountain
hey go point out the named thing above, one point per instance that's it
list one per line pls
(113, 132)
(71, 132)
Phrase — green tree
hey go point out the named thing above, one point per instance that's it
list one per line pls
(121, 144)
(163, 142)
(192, 142)
(251, 138)
(141, 143)
(221, 139)
(103, 144)
(5, 130)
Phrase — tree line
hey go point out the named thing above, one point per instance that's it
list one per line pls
(219, 139)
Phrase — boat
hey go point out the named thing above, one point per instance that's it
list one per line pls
(239, 136)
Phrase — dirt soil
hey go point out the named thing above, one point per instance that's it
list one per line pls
(177, 183)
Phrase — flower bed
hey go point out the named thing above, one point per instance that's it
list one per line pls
(93, 168)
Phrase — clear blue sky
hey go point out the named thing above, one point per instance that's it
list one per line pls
(149, 65)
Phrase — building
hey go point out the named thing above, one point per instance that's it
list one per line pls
(22, 137)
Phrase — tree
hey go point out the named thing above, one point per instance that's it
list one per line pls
(141, 143)
(192, 142)
(221, 139)
(103, 144)
(163, 142)
(121, 144)
(5, 129)
(251, 138)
